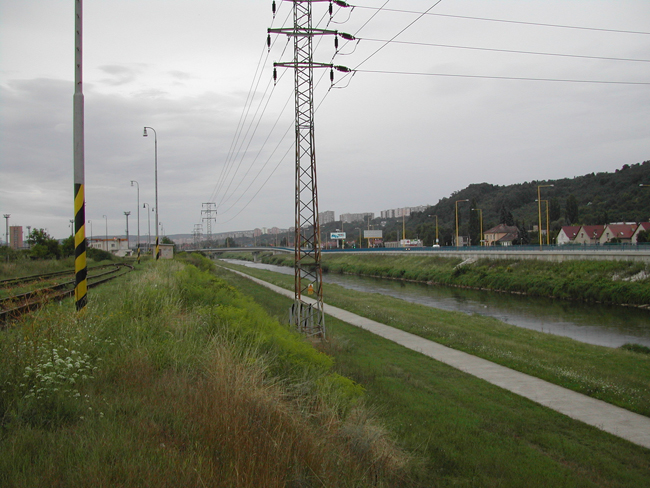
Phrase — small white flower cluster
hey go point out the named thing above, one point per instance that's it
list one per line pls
(56, 369)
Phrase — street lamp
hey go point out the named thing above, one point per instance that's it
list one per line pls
(547, 226)
(6, 216)
(138, 185)
(106, 236)
(155, 137)
(91, 232)
(539, 212)
(457, 218)
(480, 216)
(128, 244)
(71, 228)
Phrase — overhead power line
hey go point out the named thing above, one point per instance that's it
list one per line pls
(485, 19)
(514, 78)
(509, 51)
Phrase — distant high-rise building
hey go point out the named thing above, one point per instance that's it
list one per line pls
(326, 217)
(348, 218)
(396, 213)
(16, 237)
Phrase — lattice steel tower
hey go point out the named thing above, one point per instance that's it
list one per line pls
(308, 318)
(209, 208)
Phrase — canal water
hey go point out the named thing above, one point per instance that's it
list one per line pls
(604, 325)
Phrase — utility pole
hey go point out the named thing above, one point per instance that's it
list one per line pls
(306, 317)
(80, 267)
(209, 208)
(6, 216)
(127, 230)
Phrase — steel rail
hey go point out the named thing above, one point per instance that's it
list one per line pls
(37, 298)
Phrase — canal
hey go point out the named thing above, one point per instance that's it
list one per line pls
(604, 325)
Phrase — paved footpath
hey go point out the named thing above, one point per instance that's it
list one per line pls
(605, 416)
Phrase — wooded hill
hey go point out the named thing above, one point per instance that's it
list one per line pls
(595, 198)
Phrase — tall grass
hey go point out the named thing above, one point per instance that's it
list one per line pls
(173, 378)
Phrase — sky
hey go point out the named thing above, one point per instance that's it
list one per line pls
(446, 104)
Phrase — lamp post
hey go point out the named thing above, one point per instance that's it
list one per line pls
(539, 213)
(91, 232)
(480, 216)
(146, 205)
(138, 186)
(6, 216)
(155, 137)
(128, 244)
(547, 225)
(106, 236)
(457, 218)
(71, 228)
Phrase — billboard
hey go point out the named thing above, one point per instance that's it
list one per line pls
(373, 234)
(337, 235)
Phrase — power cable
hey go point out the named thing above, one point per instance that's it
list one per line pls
(259, 152)
(539, 24)
(400, 32)
(504, 77)
(510, 51)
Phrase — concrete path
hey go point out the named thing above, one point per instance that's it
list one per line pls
(609, 418)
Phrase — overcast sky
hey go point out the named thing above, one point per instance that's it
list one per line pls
(187, 68)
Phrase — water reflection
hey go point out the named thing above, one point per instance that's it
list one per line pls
(598, 324)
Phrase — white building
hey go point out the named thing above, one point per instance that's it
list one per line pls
(114, 245)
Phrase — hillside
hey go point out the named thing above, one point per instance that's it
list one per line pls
(600, 198)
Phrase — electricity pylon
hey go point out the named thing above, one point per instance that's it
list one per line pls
(209, 208)
(309, 318)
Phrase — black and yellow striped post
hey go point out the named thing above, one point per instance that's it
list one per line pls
(80, 268)
(157, 249)
(138, 254)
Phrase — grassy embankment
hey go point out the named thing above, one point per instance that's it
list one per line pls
(171, 377)
(617, 376)
(463, 431)
(616, 282)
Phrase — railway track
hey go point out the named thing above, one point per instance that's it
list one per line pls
(16, 305)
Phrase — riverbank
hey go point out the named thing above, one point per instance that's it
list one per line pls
(617, 376)
(460, 430)
(615, 282)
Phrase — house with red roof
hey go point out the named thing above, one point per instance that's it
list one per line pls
(643, 226)
(567, 234)
(589, 234)
(618, 233)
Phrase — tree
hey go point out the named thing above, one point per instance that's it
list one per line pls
(43, 246)
(643, 237)
(505, 216)
(230, 242)
(523, 234)
(67, 246)
(554, 209)
(571, 210)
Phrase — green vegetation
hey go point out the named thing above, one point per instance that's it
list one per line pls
(616, 282)
(171, 377)
(617, 376)
(636, 348)
(596, 198)
(461, 431)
